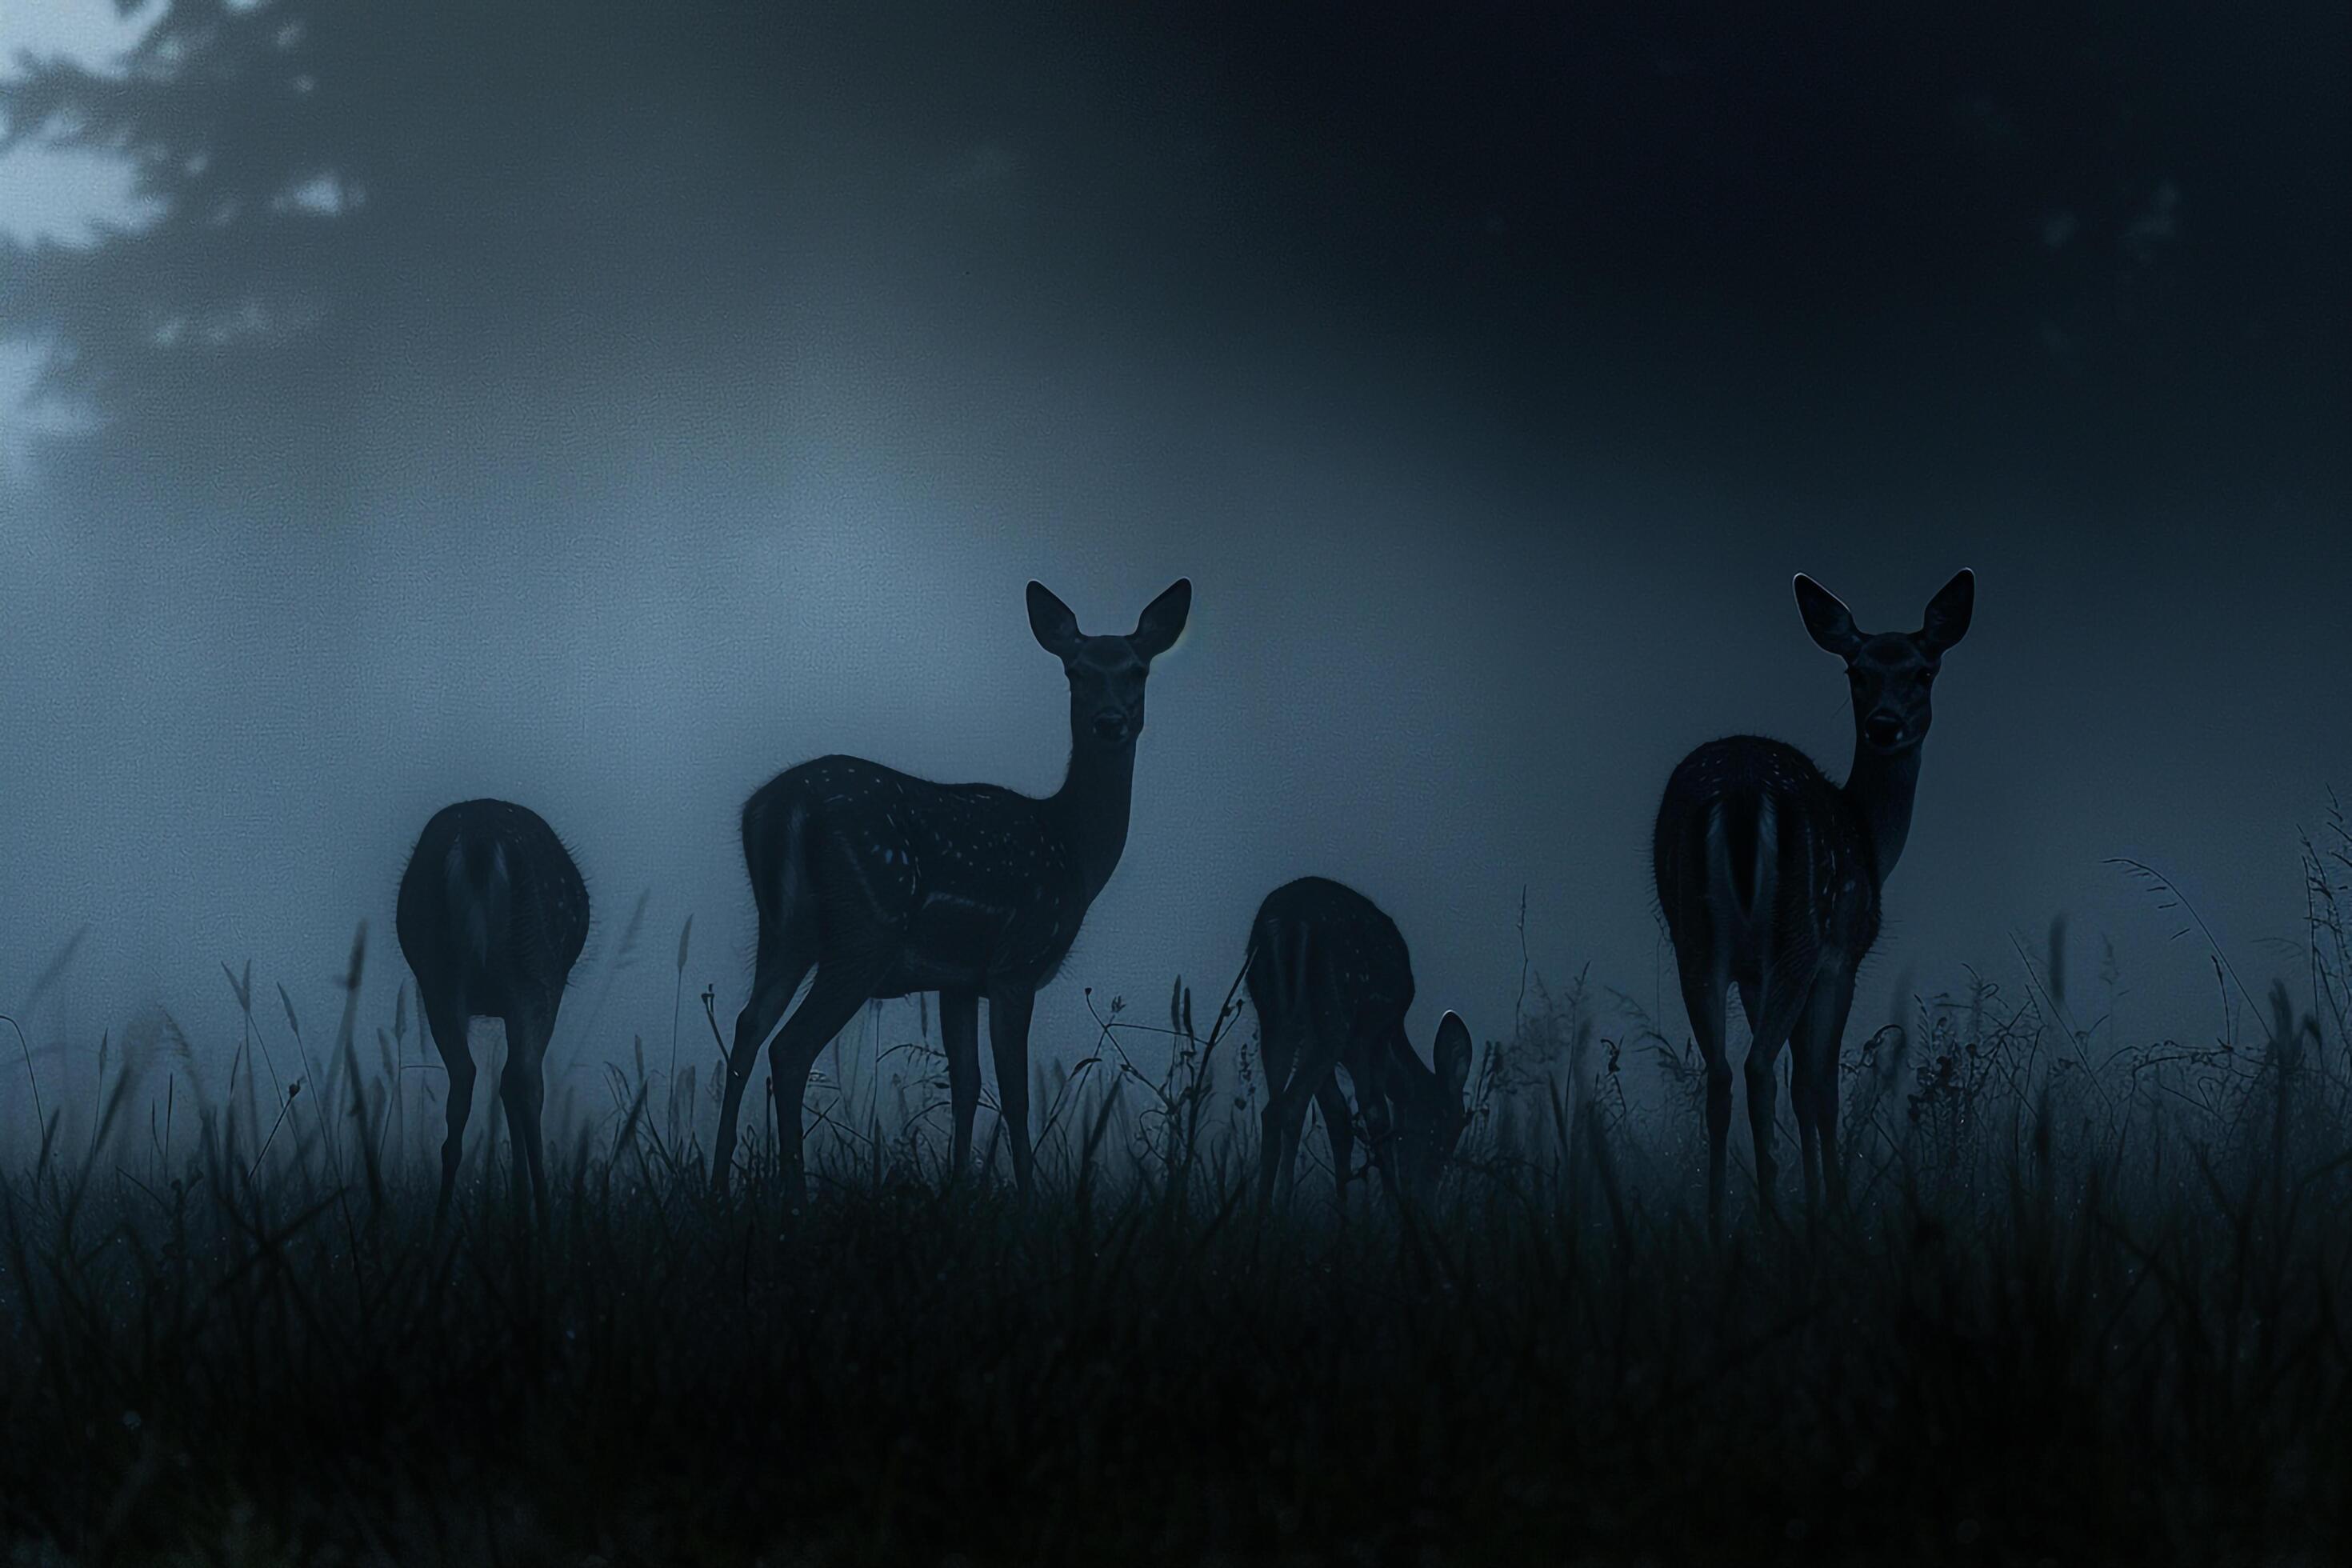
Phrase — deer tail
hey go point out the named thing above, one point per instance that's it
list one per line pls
(481, 896)
(1742, 861)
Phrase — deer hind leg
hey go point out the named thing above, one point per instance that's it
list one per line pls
(1801, 1097)
(1286, 1113)
(1279, 1046)
(784, 959)
(960, 1038)
(448, 1022)
(1704, 984)
(841, 989)
(523, 1088)
(1821, 1035)
(1783, 1000)
(1339, 1125)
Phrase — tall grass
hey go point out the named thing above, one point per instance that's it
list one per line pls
(2084, 1308)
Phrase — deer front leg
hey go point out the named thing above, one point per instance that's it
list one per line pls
(1009, 1007)
(959, 1037)
(1782, 1003)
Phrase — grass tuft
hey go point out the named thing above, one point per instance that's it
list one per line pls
(2084, 1308)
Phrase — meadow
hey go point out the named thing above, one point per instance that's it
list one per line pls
(2084, 1306)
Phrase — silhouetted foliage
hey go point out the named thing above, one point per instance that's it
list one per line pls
(507, 229)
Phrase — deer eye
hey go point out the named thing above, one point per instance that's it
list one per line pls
(1927, 678)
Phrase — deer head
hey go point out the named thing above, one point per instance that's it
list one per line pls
(1891, 674)
(1430, 1110)
(1106, 673)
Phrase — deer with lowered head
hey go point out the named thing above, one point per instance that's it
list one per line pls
(491, 917)
(1331, 980)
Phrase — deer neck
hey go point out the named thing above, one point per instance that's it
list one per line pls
(1090, 810)
(1880, 788)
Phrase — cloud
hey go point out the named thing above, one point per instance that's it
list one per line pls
(27, 416)
(66, 196)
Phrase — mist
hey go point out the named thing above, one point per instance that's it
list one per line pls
(609, 416)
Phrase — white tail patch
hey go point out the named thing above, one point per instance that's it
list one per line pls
(788, 875)
(1721, 896)
(1746, 919)
(1761, 879)
(477, 909)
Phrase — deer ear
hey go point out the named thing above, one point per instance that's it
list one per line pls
(1163, 621)
(1451, 1054)
(1949, 613)
(1827, 618)
(1055, 628)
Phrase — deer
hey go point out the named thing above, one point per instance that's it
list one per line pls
(491, 917)
(1769, 878)
(1330, 979)
(888, 885)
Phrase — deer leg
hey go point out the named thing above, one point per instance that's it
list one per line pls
(1703, 999)
(1379, 1132)
(1782, 1001)
(448, 1022)
(775, 977)
(1801, 1100)
(522, 1088)
(1821, 1036)
(960, 1035)
(1338, 1126)
(839, 991)
(1009, 1008)
(1277, 1054)
(1367, 1060)
(1286, 1111)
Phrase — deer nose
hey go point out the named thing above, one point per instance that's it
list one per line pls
(1110, 724)
(1882, 728)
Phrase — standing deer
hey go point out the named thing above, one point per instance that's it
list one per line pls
(889, 885)
(1769, 876)
(492, 916)
(1331, 980)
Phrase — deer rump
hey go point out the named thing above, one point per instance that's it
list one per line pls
(487, 903)
(480, 889)
(1774, 829)
(1299, 989)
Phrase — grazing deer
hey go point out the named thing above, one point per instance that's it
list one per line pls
(889, 885)
(492, 916)
(1768, 877)
(1331, 980)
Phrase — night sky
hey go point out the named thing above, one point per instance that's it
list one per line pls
(606, 407)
